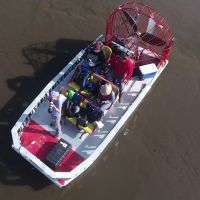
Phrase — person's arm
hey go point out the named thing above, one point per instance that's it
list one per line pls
(129, 72)
(112, 97)
(58, 109)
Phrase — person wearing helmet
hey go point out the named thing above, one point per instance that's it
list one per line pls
(106, 96)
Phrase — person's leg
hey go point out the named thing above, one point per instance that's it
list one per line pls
(97, 69)
(105, 106)
(120, 83)
(53, 122)
(76, 74)
(58, 125)
(109, 75)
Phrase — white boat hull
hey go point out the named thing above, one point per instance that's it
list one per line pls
(89, 147)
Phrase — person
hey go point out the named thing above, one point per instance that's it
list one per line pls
(81, 74)
(121, 70)
(95, 53)
(56, 101)
(71, 110)
(72, 107)
(98, 57)
(106, 96)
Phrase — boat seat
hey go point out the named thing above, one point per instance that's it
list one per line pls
(77, 88)
(107, 52)
(95, 78)
(90, 126)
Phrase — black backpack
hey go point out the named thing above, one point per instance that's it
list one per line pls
(93, 113)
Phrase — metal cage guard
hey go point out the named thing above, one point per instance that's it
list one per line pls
(140, 28)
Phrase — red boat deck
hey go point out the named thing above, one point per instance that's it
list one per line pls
(39, 142)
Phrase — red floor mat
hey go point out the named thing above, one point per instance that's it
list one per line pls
(39, 142)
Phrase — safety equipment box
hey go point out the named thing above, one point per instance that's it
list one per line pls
(58, 153)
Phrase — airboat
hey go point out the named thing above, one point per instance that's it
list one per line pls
(133, 28)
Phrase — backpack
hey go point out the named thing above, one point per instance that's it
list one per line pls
(82, 78)
(76, 99)
(93, 113)
(81, 121)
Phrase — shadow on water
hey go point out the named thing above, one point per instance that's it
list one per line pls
(47, 59)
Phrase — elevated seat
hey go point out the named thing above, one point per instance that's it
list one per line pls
(107, 52)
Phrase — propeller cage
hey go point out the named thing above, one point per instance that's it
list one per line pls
(142, 30)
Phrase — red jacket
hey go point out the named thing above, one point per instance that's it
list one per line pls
(122, 67)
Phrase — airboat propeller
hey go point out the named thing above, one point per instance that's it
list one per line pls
(140, 28)
(146, 37)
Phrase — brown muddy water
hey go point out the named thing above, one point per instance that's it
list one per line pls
(155, 156)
